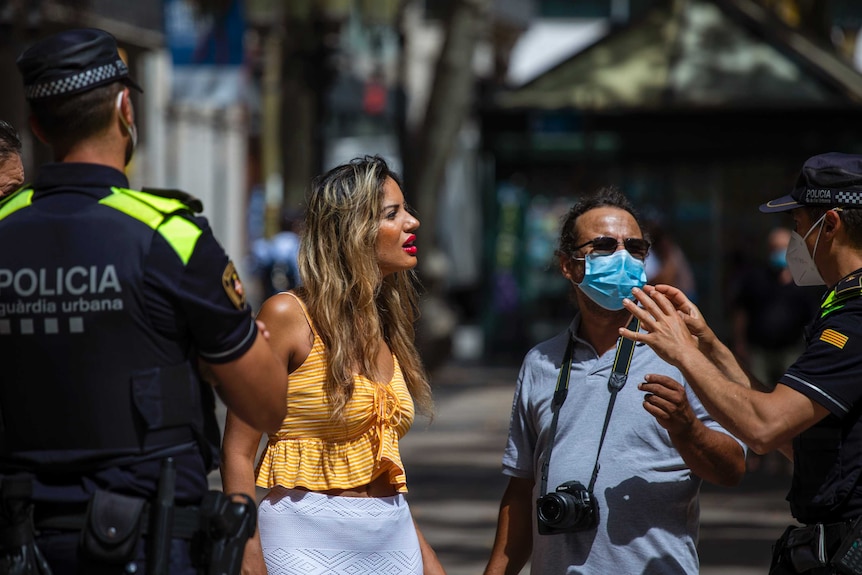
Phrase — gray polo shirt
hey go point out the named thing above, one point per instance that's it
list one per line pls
(647, 497)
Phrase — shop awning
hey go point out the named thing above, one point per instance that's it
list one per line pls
(695, 54)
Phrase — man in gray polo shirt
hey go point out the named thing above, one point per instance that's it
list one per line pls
(634, 508)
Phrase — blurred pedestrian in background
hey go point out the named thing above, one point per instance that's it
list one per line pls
(11, 166)
(666, 262)
(110, 300)
(770, 312)
(812, 414)
(275, 260)
(336, 501)
(625, 502)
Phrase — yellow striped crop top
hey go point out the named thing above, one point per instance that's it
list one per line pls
(312, 450)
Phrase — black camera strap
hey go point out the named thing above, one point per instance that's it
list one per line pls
(619, 374)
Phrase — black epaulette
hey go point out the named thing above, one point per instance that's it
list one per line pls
(849, 286)
(193, 203)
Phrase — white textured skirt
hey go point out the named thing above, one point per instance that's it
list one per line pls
(307, 533)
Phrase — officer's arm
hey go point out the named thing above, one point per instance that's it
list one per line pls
(290, 339)
(239, 450)
(764, 421)
(253, 386)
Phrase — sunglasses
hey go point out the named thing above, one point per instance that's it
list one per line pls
(605, 245)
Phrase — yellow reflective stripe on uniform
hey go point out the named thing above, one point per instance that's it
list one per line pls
(164, 205)
(180, 233)
(830, 304)
(133, 207)
(18, 200)
(834, 302)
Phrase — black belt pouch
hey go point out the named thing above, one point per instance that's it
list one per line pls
(112, 527)
(799, 550)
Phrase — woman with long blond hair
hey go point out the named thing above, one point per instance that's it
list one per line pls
(336, 501)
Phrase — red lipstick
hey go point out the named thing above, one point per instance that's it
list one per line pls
(408, 245)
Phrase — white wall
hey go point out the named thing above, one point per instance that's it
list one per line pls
(196, 148)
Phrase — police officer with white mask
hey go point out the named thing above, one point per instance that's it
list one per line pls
(814, 413)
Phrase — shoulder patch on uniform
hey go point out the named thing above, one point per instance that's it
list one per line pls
(233, 286)
(832, 337)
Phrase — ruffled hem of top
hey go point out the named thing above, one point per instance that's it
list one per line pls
(319, 465)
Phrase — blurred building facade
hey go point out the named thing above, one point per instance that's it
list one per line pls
(194, 138)
(698, 110)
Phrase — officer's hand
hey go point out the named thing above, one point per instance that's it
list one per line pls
(666, 400)
(667, 333)
(261, 327)
(687, 311)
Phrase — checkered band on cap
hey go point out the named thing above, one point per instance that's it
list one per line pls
(845, 198)
(78, 82)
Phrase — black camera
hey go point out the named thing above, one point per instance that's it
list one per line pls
(568, 509)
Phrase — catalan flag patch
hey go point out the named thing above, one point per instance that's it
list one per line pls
(833, 337)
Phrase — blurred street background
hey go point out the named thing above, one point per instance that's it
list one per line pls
(499, 114)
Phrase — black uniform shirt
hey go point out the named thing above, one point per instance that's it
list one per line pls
(828, 456)
(195, 307)
(186, 301)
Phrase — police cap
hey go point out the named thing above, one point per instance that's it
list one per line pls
(71, 62)
(829, 180)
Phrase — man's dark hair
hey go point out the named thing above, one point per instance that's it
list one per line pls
(851, 217)
(10, 142)
(68, 119)
(609, 197)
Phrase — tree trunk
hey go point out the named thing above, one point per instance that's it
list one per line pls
(448, 106)
(302, 90)
(449, 103)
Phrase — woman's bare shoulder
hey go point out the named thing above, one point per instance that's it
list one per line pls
(284, 316)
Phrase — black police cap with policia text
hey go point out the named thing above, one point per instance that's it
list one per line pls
(71, 62)
(829, 180)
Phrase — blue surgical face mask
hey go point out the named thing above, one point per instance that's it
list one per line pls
(778, 259)
(609, 279)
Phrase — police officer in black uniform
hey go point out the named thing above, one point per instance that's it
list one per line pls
(814, 413)
(112, 303)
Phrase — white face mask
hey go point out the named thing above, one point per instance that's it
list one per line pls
(800, 262)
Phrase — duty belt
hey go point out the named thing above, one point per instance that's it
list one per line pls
(833, 533)
(817, 548)
(186, 521)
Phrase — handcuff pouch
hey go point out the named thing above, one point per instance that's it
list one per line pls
(112, 527)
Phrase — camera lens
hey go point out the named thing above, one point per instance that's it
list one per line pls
(554, 508)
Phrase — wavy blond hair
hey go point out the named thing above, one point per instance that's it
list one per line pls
(349, 301)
